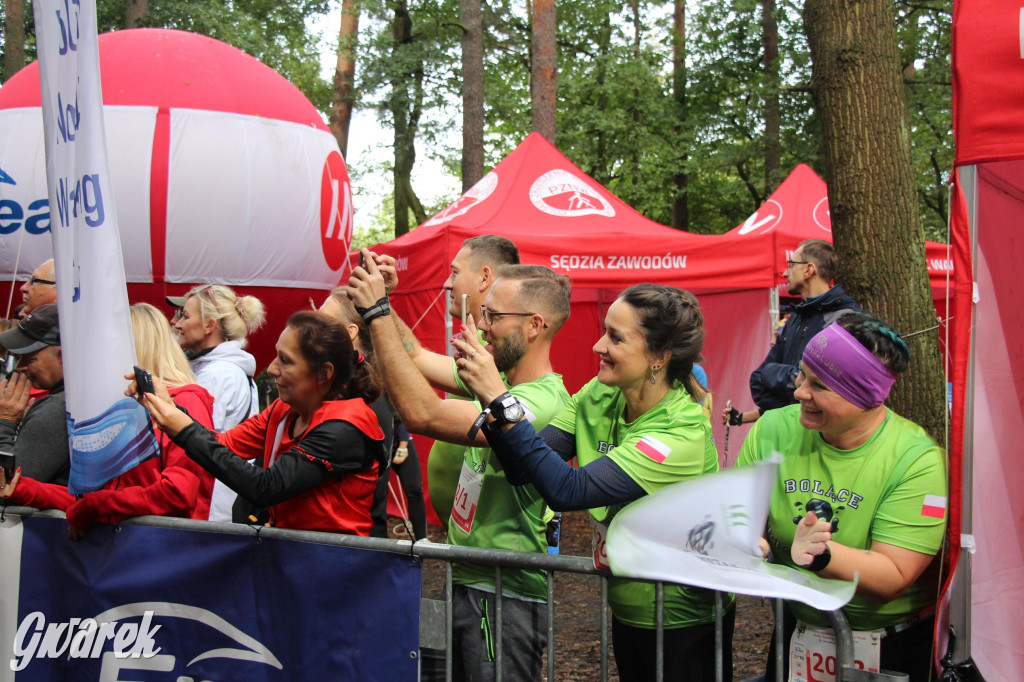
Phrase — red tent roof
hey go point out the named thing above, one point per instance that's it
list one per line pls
(560, 217)
(798, 210)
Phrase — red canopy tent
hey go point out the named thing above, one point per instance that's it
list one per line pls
(798, 210)
(561, 218)
(987, 596)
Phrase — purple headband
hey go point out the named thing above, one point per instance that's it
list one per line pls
(848, 368)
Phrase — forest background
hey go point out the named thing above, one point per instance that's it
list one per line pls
(691, 112)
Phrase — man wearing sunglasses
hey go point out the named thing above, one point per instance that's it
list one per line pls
(809, 274)
(41, 289)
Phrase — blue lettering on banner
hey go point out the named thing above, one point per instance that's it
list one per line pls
(36, 218)
(85, 197)
(6, 179)
(190, 605)
(69, 31)
(69, 118)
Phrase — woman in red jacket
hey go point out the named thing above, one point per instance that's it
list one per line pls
(169, 484)
(320, 440)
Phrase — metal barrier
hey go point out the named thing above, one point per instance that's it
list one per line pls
(434, 614)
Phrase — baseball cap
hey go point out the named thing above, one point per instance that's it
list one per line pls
(39, 329)
(176, 301)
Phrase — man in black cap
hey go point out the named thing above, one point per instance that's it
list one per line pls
(38, 436)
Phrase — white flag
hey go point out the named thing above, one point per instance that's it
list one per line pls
(108, 432)
(706, 532)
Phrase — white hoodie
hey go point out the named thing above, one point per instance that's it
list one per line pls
(225, 372)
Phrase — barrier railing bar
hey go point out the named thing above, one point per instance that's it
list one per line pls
(779, 644)
(659, 631)
(498, 641)
(719, 649)
(604, 629)
(448, 664)
(550, 575)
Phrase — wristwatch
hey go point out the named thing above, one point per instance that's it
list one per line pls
(506, 409)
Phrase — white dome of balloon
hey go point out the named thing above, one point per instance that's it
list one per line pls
(223, 171)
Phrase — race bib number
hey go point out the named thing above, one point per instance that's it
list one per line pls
(600, 535)
(812, 653)
(467, 495)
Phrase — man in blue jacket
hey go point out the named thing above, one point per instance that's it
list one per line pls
(809, 274)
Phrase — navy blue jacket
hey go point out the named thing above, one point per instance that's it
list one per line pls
(772, 384)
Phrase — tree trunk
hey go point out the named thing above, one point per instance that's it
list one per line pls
(135, 13)
(345, 74)
(472, 93)
(858, 92)
(680, 208)
(772, 145)
(406, 107)
(637, 32)
(543, 70)
(14, 38)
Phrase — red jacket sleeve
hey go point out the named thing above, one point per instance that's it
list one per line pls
(32, 493)
(173, 495)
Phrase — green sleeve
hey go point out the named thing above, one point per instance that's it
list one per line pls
(750, 452)
(685, 459)
(899, 520)
(565, 420)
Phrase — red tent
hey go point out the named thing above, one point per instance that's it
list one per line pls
(986, 477)
(798, 210)
(561, 218)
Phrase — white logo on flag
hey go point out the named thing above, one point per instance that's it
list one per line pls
(563, 194)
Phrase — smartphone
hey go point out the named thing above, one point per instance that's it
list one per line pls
(465, 309)
(361, 259)
(143, 381)
(8, 464)
(10, 364)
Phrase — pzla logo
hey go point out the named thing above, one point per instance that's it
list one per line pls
(563, 194)
(475, 195)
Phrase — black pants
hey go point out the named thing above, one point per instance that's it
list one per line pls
(411, 478)
(689, 653)
(908, 651)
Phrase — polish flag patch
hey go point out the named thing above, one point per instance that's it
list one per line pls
(934, 506)
(653, 448)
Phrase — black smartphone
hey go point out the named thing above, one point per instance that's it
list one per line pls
(361, 259)
(143, 381)
(8, 464)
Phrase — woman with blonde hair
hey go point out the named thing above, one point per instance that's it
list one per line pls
(212, 327)
(169, 484)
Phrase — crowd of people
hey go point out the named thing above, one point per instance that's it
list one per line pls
(861, 490)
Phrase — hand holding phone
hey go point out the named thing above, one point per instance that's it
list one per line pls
(8, 464)
(143, 381)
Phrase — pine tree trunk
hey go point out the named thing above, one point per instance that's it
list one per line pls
(680, 207)
(345, 74)
(135, 13)
(543, 70)
(877, 230)
(14, 38)
(772, 117)
(472, 93)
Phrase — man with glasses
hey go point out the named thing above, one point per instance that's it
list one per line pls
(809, 273)
(40, 289)
(524, 309)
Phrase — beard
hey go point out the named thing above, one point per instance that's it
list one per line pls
(508, 351)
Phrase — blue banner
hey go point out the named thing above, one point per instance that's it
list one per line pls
(155, 604)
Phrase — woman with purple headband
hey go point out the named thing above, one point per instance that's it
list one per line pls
(862, 492)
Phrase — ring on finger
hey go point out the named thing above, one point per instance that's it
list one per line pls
(472, 355)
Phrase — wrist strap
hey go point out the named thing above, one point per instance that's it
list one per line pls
(498, 405)
(821, 561)
(478, 423)
(379, 309)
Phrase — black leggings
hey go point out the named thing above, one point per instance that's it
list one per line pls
(689, 653)
(411, 478)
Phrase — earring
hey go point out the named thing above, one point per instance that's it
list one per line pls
(650, 373)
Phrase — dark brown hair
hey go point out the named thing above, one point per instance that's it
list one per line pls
(322, 340)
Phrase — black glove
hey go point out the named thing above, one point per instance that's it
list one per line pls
(735, 417)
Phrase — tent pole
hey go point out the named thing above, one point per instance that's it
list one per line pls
(960, 591)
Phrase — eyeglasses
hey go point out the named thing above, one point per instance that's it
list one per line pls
(39, 280)
(791, 263)
(489, 317)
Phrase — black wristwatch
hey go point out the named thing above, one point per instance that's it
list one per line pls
(506, 409)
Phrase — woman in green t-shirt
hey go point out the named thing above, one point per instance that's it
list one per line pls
(861, 491)
(635, 428)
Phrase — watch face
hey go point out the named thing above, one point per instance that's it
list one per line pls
(514, 413)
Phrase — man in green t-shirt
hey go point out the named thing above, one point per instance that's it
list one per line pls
(473, 273)
(526, 306)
